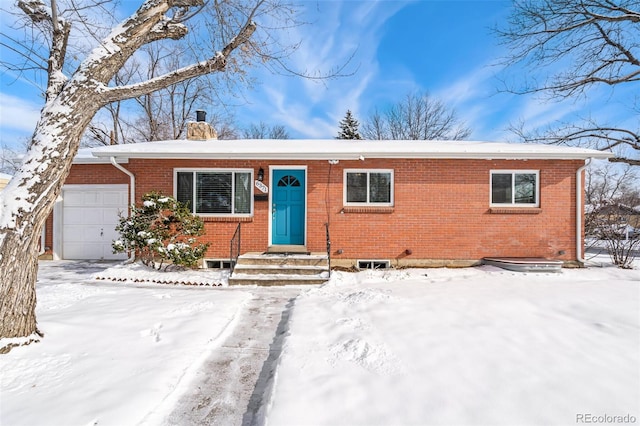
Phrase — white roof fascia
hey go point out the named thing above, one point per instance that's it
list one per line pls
(99, 160)
(342, 150)
(85, 156)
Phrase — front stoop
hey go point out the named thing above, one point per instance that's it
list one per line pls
(266, 269)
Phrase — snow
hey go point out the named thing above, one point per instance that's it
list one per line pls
(112, 353)
(332, 149)
(138, 273)
(416, 346)
(468, 346)
(108, 47)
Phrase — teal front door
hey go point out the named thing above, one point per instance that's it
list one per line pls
(288, 207)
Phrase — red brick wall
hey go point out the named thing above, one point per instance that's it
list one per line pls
(441, 208)
(96, 174)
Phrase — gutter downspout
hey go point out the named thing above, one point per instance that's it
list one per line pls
(132, 191)
(43, 235)
(580, 212)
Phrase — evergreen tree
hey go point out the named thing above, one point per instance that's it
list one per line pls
(349, 127)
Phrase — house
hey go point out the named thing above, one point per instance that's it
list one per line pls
(4, 179)
(398, 203)
(612, 219)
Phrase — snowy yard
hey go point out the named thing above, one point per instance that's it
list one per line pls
(429, 346)
(113, 353)
(467, 346)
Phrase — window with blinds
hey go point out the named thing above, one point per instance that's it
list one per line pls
(215, 192)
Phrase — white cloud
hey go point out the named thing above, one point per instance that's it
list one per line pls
(490, 113)
(17, 113)
(476, 102)
(478, 83)
(338, 31)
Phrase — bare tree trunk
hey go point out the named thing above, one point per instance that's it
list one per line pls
(17, 307)
(26, 202)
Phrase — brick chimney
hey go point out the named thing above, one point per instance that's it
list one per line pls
(200, 130)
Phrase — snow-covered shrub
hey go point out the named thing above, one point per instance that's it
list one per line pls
(161, 232)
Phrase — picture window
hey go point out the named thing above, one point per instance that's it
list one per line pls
(215, 192)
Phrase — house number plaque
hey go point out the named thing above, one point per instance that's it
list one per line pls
(262, 187)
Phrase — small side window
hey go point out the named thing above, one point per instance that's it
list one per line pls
(368, 187)
(515, 188)
(374, 264)
(218, 264)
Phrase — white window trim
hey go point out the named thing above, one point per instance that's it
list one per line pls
(368, 171)
(220, 262)
(385, 262)
(215, 170)
(513, 182)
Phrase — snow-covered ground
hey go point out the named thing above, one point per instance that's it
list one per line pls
(429, 346)
(113, 353)
(470, 346)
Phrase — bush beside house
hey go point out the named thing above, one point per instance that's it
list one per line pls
(162, 231)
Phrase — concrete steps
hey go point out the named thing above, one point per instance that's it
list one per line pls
(280, 269)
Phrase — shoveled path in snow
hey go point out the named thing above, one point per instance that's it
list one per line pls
(233, 384)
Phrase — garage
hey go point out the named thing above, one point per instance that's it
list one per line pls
(89, 216)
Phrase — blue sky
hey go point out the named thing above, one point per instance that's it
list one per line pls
(443, 47)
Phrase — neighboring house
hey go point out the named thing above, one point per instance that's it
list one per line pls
(4, 179)
(618, 218)
(418, 203)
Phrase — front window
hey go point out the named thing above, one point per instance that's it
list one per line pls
(515, 188)
(215, 192)
(368, 187)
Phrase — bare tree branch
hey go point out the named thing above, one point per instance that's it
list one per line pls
(263, 131)
(37, 12)
(216, 63)
(629, 161)
(598, 37)
(416, 117)
(587, 133)
(583, 43)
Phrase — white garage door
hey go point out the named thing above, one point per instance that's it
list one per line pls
(90, 215)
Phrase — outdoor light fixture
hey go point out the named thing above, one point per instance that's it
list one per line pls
(261, 174)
